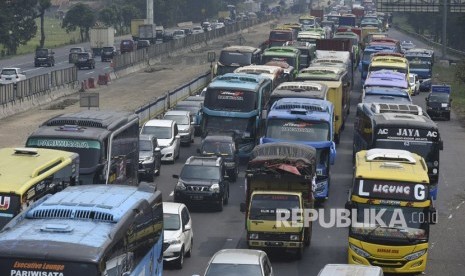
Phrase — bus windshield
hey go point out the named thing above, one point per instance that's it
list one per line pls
(89, 150)
(400, 224)
(420, 65)
(237, 125)
(17, 266)
(290, 130)
(289, 60)
(231, 100)
(281, 35)
(392, 68)
(265, 207)
(228, 58)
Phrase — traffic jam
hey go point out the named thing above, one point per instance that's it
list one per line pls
(272, 117)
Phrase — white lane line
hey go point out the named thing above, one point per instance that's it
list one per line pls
(90, 72)
(458, 206)
(172, 193)
(450, 216)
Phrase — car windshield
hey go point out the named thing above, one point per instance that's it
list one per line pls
(200, 172)
(216, 147)
(41, 52)
(157, 131)
(216, 269)
(108, 49)
(439, 97)
(178, 33)
(295, 130)
(171, 222)
(83, 55)
(145, 145)
(179, 119)
(8, 72)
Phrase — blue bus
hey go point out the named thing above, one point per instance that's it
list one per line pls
(308, 122)
(365, 60)
(92, 230)
(237, 102)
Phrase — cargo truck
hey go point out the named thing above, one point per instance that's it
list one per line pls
(279, 180)
(101, 37)
(135, 23)
(148, 32)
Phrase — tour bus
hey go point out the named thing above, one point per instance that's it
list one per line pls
(307, 89)
(386, 78)
(392, 130)
(388, 95)
(393, 63)
(92, 230)
(338, 84)
(233, 57)
(275, 73)
(393, 186)
(288, 54)
(235, 102)
(309, 122)
(27, 174)
(279, 36)
(107, 143)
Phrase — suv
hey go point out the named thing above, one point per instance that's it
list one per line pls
(202, 179)
(222, 146)
(438, 105)
(73, 53)
(85, 60)
(44, 57)
(108, 53)
(149, 157)
(141, 44)
(11, 75)
(185, 124)
(126, 46)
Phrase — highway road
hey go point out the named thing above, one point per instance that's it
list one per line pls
(216, 230)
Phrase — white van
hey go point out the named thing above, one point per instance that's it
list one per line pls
(350, 270)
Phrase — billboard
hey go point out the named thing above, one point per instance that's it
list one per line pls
(457, 5)
(409, 5)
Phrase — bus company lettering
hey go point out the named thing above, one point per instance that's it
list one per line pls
(63, 144)
(35, 273)
(236, 96)
(52, 269)
(408, 132)
(419, 190)
(4, 203)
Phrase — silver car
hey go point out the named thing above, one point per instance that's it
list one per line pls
(185, 124)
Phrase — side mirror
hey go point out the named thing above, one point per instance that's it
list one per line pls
(332, 154)
(157, 149)
(177, 137)
(187, 227)
(426, 99)
(242, 207)
(176, 176)
(450, 100)
(264, 114)
(198, 151)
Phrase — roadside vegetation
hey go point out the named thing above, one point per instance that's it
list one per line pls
(453, 75)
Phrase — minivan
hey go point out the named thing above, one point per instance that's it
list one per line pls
(127, 45)
(169, 140)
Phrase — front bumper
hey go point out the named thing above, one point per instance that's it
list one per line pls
(167, 154)
(146, 168)
(438, 112)
(322, 189)
(193, 197)
(275, 244)
(172, 252)
(185, 137)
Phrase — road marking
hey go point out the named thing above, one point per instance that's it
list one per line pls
(89, 72)
(458, 206)
(172, 193)
(450, 216)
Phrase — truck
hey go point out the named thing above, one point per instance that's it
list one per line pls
(135, 23)
(307, 122)
(318, 13)
(347, 20)
(279, 179)
(101, 37)
(147, 32)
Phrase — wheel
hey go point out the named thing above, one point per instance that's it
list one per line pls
(189, 253)
(233, 177)
(448, 116)
(180, 261)
(220, 205)
(36, 65)
(308, 236)
(157, 173)
(151, 177)
(337, 139)
(226, 198)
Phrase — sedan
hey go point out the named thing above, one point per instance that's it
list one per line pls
(178, 237)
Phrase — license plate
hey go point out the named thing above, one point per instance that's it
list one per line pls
(197, 197)
(8, 78)
(82, 59)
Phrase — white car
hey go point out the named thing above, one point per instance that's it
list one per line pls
(414, 83)
(350, 269)
(239, 262)
(169, 140)
(197, 30)
(178, 237)
(178, 34)
(185, 125)
(11, 75)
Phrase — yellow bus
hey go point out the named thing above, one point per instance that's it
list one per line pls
(394, 63)
(391, 211)
(27, 174)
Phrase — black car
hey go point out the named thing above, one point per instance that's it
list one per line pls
(222, 146)
(44, 57)
(141, 44)
(202, 180)
(438, 105)
(108, 53)
(149, 157)
(85, 60)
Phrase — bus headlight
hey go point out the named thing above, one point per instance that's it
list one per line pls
(180, 186)
(359, 251)
(215, 188)
(294, 237)
(253, 236)
(436, 163)
(435, 171)
(415, 255)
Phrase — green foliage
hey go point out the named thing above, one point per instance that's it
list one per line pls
(79, 16)
(460, 72)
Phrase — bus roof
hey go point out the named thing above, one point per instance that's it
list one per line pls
(21, 167)
(238, 81)
(321, 73)
(84, 124)
(240, 49)
(404, 120)
(281, 51)
(300, 90)
(306, 105)
(399, 165)
(77, 224)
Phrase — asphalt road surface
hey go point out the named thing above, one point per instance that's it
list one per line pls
(217, 230)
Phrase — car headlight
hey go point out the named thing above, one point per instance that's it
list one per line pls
(180, 186)
(148, 159)
(294, 237)
(184, 130)
(173, 242)
(415, 255)
(359, 251)
(253, 236)
(436, 163)
(215, 188)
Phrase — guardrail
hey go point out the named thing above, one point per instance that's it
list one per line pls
(160, 105)
(37, 85)
(142, 55)
(457, 53)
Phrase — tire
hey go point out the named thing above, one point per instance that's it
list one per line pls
(337, 139)
(226, 198)
(151, 177)
(448, 117)
(234, 176)
(189, 253)
(159, 169)
(180, 261)
(220, 205)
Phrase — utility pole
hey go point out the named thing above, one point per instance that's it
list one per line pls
(444, 28)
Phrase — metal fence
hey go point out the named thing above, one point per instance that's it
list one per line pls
(37, 85)
(160, 105)
(142, 55)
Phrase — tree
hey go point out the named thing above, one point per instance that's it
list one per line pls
(17, 23)
(42, 6)
(79, 16)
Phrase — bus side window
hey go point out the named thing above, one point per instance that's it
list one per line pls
(118, 259)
